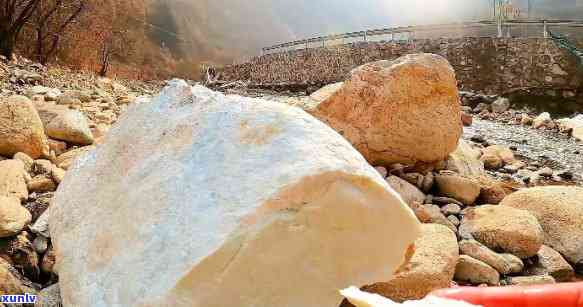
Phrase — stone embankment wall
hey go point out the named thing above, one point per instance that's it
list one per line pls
(486, 65)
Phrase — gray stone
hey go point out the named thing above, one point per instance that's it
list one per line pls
(451, 209)
(501, 105)
(40, 244)
(49, 297)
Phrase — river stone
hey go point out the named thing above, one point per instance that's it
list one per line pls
(455, 186)
(13, 216)
(531, 280)
(71, 127)
(401, 111)
(465, 160)
(502, 153)
(21, 129)
(550, 262)
(475, 271)
(575, 125)
(12, 179)
(541, 120)
(559, 210)
(65, 160)
(11, 283)
(501, 105)
(431, 214)
(407, 191)
(503, 263)
(28, 161)
(504, 229)
(431, 267)
(49, 297)
(213, 198)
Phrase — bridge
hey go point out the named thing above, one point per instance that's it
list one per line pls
(486, 28)
(536, 57)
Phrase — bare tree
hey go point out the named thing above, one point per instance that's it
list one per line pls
(14, 14)
(50, 21)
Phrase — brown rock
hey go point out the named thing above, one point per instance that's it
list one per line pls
(502, 152)
(559, 210)
(58, 175)
(65, 160)
(475, 271)
(21, 129)
(22, 255)
(404, 111)
(504, 229)
(531, 280)
(48, 261)
(431, 267)
(26, 160)
(491, 193)
(12, 179)
(467, 119)
(465, 161)
(42, 167)
(492, 162)
(455, 186)
(13, 216)
(550, 262)
(58, 147)
(431, 214)
(500, 262)
(11, 282)
(408, 192)
(41, 184)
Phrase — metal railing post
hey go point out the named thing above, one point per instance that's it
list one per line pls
(365, 36)
(545, 29)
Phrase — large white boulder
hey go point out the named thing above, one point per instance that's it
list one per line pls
(223, 201)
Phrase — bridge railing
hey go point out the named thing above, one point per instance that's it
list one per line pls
(511, 28)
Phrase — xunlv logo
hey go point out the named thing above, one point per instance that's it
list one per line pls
(18, 299)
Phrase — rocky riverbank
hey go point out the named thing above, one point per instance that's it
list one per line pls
(498, 199)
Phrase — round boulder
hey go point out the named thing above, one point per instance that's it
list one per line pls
(431, 267)
(72, 127)
(559, 209)
(21, 129)
(13, 216)
(402, 111)
(460, 188)
(504, 229)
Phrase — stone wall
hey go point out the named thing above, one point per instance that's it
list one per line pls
(486, 65)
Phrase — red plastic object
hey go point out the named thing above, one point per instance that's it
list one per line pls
(558, 295)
